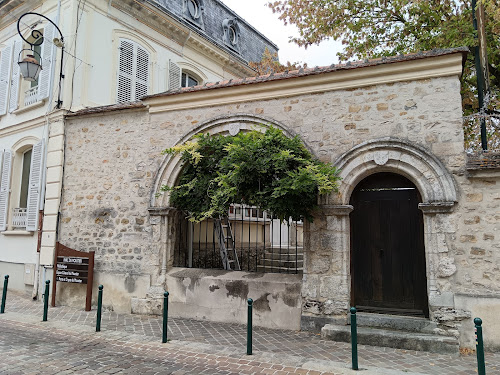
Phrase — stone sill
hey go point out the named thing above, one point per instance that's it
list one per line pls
(17, 233)
(29, 107)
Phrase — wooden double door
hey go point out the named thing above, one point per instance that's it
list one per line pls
(388, 270)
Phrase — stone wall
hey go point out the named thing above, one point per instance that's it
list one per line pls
(112, 160)
(109, 168)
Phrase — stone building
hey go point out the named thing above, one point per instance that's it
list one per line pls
(411, 232)
(114, 51)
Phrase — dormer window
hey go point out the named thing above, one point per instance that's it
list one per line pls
(231, 35)
(194, 9)
(193, 12)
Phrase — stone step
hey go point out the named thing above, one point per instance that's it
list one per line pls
(267, 268)
(281, 263)
(395, 322)
(282, 255)
(393, 339)
(292, 248)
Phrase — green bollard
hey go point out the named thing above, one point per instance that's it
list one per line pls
(481, 367)
(4, 294)
(99, 309)
(165, 317)
(354, 339)
(46, 300)
(249, 327)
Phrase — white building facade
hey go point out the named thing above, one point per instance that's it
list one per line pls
(114, 52)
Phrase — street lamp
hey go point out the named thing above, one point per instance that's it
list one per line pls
(30, 66)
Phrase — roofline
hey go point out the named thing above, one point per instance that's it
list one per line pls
(439, 63)
(287, 75)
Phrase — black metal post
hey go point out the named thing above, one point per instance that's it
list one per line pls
(46, 300)
(481, 367)
(165, 317)
(99, 310)
(354, 339)
(249, 327)
(4, 293)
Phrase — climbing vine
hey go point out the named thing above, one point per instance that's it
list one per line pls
(268, 170)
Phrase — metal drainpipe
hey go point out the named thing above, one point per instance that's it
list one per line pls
(480, 80)
(36, 283)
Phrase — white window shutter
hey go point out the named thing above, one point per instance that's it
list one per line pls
(47, 54)
(174, 76)
(34, 188)
(5, 188)
(14, 80)
(141, 73)
(125, 71)
(5, 64)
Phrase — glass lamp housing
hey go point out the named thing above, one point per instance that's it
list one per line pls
(30, 68)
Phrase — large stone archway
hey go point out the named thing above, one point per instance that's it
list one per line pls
(327, 288)
(171, 166)
(162, 216)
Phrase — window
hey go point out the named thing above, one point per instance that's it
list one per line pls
(37, 50)
(21, 187)
(133, 71)
(193, 12)
(184, 75)
(193, 9)
(188, 81)
(231, 35)
(16, 92)
(5, 66)
(25, 179)
(29, 89)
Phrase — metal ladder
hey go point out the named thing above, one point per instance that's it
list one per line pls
(224, 235)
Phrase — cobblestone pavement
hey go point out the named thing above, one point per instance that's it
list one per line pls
(67, 344)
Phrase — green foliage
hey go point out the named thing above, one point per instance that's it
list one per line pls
(268, 170)
(376, 28)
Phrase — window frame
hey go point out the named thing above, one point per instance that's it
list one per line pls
(114, 69)
(13, 190)
(188, 75)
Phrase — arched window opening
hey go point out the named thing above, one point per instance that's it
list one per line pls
(188, 80)
(21, 183)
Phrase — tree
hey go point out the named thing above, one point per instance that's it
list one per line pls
(270, 64)
(376, 28)
(268, 170)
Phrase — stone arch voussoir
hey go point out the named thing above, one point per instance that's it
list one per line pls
(425, 170)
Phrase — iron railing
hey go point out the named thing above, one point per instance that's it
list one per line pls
(19, 217)
(31, 96)
(262, 243)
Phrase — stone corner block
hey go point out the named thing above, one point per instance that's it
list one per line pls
(47, 256)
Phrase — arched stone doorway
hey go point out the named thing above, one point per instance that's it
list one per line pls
(388, 271)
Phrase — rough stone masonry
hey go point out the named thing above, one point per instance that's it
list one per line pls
(400, 115)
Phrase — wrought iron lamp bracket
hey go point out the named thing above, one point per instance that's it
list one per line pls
(38, 40)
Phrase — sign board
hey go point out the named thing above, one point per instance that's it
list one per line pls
(75, 267)
(72, 269)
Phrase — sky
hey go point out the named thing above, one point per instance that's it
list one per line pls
(257, 14)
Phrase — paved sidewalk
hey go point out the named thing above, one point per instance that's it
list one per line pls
(68, 344)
